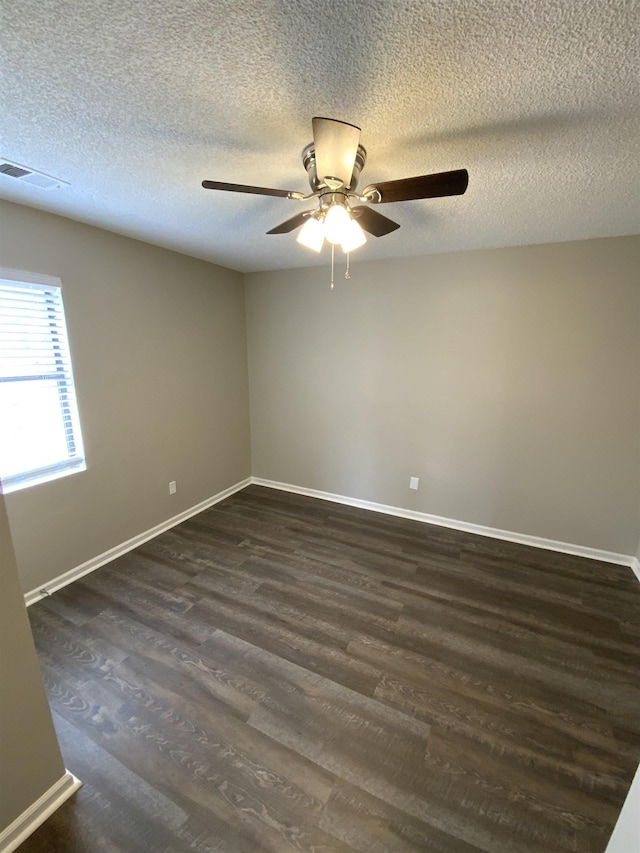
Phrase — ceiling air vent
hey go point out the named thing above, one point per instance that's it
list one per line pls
(30, 176)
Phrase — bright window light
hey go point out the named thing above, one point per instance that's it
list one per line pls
(40, 436)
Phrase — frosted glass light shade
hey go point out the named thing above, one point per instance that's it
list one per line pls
(353, 237)
(312, 234)
(336, 222)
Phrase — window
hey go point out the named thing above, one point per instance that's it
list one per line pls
(40, 435)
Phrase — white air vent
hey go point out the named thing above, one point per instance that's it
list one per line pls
(30, 176)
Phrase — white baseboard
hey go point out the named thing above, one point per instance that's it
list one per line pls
(118, 550)
(468, 527)
(465, 526)
(30, 819)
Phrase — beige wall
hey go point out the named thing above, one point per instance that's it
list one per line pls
(159, 355)
(30, 760)
(507, 380)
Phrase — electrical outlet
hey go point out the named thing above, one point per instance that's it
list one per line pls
(414, 482)
(173, 488)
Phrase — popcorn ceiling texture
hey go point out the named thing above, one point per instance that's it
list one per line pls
(135, 103)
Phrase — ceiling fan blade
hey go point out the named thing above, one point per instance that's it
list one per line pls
(423, 186)
(336, 146)
(372, 221)
(243, 188)
(291, 224)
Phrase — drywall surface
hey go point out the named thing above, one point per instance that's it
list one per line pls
(159, 356)
(626, 834)
(30, 760)
(507, 380)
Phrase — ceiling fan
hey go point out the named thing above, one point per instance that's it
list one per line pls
(333, 162)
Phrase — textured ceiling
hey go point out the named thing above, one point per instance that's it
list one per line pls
(135, 103)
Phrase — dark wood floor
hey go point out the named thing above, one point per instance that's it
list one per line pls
(286, 674)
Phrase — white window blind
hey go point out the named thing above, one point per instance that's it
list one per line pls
(40, 436)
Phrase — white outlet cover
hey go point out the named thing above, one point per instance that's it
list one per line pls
(414, 482)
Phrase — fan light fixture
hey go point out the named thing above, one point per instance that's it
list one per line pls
(337, 228)
(312, 234)
(336, 222)
(353, 237)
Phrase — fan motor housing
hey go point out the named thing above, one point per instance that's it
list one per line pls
(328, 197)
(309, 163)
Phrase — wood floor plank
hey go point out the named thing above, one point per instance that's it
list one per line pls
(118, 810)
(618, 647)
(528, 703)
(372, 825)
(559, 809)
(294, 635)
(187, 765)
(282, 674)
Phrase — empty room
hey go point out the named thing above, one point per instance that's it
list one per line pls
(320, 427)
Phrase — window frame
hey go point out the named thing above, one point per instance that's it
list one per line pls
(62, 376)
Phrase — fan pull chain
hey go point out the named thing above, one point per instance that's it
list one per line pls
(333, 248)
(347, 274)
